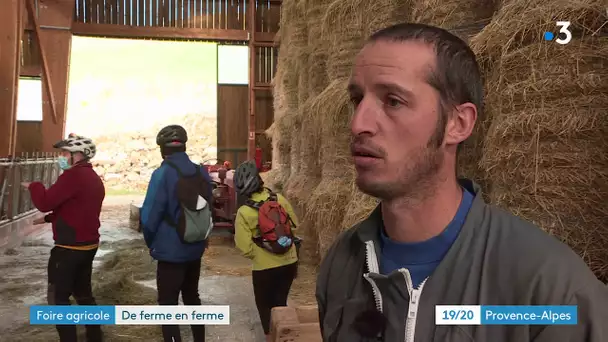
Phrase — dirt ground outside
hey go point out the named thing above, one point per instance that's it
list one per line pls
(125, 274)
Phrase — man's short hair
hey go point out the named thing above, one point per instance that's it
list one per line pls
(456, 75)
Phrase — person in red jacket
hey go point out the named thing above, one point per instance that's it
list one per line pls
(73, 205)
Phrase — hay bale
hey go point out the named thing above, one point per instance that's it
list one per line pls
(318, 48)
(308, 175)
(545, 151)
(293, 122)
(347, 24)
(359, 207)
(325, 207)
(277, 176)
(453, 13)
(326, 210)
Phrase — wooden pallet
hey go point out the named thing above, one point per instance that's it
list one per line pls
(295, 324)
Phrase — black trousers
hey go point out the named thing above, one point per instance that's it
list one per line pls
(171, 279)
(271, 288)
(69, 274)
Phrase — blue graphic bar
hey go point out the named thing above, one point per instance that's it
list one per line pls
(72, 314)
(529, 315)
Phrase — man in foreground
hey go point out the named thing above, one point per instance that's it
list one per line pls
(73, 205)
(417, 93)
(176, 242)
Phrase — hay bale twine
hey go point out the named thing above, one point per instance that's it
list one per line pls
(546, 150)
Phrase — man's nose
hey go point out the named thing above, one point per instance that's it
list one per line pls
(364, 119)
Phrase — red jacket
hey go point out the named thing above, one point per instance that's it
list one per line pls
(75, 202)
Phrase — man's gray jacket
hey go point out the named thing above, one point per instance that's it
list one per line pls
(498, 259)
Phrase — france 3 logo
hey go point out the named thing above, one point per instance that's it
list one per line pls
(563, 36)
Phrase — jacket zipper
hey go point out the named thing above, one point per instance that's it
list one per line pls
(371, 261)
(412, 311)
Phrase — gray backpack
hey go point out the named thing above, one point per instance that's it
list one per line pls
(195, 220)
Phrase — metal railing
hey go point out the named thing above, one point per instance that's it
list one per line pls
(15, 201)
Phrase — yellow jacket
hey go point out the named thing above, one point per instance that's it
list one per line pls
(246, 228)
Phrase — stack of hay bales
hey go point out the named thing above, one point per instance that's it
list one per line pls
(546, 151)
(345, 26)
(285, 94)
(538, 149)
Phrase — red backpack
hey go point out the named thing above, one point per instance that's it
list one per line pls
(275, 225)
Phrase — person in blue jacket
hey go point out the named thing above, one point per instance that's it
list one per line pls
(179, 264)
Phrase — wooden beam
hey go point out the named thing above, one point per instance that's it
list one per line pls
(252, 69)
(46, 79)
(125, 31)
(265, 37)
(55, 18)
(11, 30)
(31, 71)
(264, 44)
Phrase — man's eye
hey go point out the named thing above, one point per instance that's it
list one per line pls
(393, 102)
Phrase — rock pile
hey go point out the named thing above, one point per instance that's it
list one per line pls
(126, 160)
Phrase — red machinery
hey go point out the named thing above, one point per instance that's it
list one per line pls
(224, 196)
(225, 199)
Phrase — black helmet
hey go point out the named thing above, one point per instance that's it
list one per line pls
(247, 179)
(172, 134)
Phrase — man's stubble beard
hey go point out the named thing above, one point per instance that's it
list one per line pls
(416, 180)
(418, 177)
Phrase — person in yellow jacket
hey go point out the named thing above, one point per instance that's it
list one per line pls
(274, 267)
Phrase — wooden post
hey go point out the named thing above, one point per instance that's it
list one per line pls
(252, 66)
(31, 9)
(11, 30)
(55, 19)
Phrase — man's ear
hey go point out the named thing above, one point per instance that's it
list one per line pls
(460, 123)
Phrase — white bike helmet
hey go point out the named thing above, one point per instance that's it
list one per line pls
(76, 143)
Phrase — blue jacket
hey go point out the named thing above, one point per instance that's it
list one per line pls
(161, 200)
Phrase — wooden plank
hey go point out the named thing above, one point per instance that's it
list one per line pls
(264, 117)
(154, 13)
(11, 30)
(128, 15)
(120, 31)
(116, 8)
(31, 71)
(265, 37)
(141, 14)
(56, 45)
(273, 17)
(205, 15)
(120, 12)
(251, 28)
(181, 20)
(45, 65)
(29, 137)
(191, 13)
(214, 11)
(231, 120)
(80, 15)
(166, 14)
